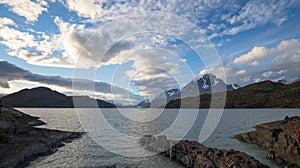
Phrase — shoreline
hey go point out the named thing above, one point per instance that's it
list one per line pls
(193, 154)
(281, 139)
(21, 142)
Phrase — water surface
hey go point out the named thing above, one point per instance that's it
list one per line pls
(87, 153)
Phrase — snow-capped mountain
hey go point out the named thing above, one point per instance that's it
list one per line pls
(165, 97)
(205, 84)
(172, 94)
(234, 86)
(143, 104)
(196, 87)
(282, 81)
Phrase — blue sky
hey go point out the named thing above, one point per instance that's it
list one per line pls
(255, 41)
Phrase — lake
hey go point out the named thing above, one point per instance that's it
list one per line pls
(85, 152)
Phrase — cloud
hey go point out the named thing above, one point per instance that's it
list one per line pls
(260, 52)
(10, 72)
(13, 38)
(27, 8)
(75, 39)
(280, 62)
(137, 51)
(241, 72)
(61, 48)
(255, 54)
(34, 47)
(151, 69)
(257, 13)
(6, 21)
(86, 8)
(215, 16)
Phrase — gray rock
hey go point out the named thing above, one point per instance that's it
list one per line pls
(194, 154)
(21, 143)
(280, 138)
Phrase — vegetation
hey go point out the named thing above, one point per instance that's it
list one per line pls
(266, 94)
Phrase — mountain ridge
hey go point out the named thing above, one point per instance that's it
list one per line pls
(43, 97)
(197, 86)
(265, 94)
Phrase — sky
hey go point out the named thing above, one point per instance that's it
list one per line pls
(131, 50)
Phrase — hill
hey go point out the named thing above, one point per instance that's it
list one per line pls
(43, 97)
(266, 94)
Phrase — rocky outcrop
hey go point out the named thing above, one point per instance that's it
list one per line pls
(194, 154)
(280, 138)
(21, 142)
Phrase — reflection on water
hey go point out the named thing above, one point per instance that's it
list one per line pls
(86, 153)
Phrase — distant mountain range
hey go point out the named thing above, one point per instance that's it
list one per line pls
(266, 94)
(196, 87)
(44, 97)
(144, 104)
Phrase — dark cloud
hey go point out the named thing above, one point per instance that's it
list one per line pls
(116, 49)
(9, 72)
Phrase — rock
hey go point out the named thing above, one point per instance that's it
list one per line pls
(21, 142)
(194, 154)
(280, 138)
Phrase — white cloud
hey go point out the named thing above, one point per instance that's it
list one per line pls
(6, 21)
(261, 52)
(15, 39)
(287, 45)
(72, 37)
(256, 13)
(151, 69)
(255, 54)
(24, 45)
(254, 63)
(280, 62)
(27, 8)
(86, 8)
(241, 72)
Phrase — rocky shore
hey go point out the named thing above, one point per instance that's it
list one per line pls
(280, 138)
(193, 154)
(21, 142)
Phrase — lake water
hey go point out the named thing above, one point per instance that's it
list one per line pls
(85, 152)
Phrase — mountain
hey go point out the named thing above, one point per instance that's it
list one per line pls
(196, 87)
(205, 84)
(44, 97)
(266, 94)
(143, 104)
(87, 102)
(282, 81)
(165, 97)
(1, 95)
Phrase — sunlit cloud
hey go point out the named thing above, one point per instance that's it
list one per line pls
(27, 8)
